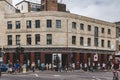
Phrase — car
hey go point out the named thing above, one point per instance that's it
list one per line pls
(4, 68)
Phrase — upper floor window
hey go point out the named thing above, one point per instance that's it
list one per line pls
(89, 41)
(102, 30)
(28, 23)
(96, 42)
(73, 39)
(102, 43)
(17, 39)
(73, 25)
(49, 39)
(9, 25)
(29, 40)
(58, 23)
(81, 41)
(81, 26)
(17, 24)
(37, 38)
(109, 31)
(49, 23)
(119, 30)
(37, 23)
(89, 27)
(9, 40)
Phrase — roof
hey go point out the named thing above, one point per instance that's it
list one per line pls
(26, 2)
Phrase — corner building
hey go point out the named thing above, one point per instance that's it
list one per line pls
(45, 34)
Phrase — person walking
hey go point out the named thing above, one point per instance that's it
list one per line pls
(42, 66)
(33, 66)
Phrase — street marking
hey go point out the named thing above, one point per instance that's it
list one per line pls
(56, 75)
(36, 75)
(93, 77)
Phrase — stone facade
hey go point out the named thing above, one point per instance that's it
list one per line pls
(71, 50)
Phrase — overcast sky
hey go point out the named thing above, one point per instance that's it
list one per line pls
(107, 10)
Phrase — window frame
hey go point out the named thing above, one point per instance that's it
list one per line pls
(29, 24)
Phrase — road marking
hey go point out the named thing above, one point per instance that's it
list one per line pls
(56, 75)
(94, 78)
(36, 75)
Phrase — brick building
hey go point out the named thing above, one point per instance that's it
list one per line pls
(54, 32)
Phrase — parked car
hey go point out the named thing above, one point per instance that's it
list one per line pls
(4, 68)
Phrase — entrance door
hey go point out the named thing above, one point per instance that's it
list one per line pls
(37, 59)
(48, 58)
(64, 60)
(57, 59)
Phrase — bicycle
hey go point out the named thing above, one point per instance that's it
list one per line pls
(115, 75)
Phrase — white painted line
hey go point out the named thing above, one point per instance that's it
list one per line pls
(56, 75)
(93, 77)
(36, 75)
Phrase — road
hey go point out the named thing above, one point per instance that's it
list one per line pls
(52, 75)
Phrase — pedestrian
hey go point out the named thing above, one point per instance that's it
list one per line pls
(80, 66)
(17, 67)
(49, 66)
(73, 67)
(85, 67)
(33, 66)
(42, 66)
(46, 66)
(104, 66)
(0, 70)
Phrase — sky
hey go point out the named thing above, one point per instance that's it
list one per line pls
(107, 10)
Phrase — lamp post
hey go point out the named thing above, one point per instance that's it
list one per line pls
(19, 50)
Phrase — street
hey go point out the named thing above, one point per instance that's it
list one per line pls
(52, 75)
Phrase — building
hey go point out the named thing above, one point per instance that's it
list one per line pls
(54, 32)
(26, 6)
(46, 5)
(117, 38)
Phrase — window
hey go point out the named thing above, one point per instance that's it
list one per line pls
(96, 42)
(109, 43)
(102, 43)
(9, 24)
(17, 39)
(89, 27)
(58, 23)
(81, 26)
(49, 23)
(37, 38)
(73, 25)
(89, 42)
(73, 39)
(29, 39)
(49, 39)
(28, 24)
(102, 30)
(17, 24)
(9, 39)
(96, 32)
(119, 30)
(109, 31)
(81, 41)
(37, 23)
